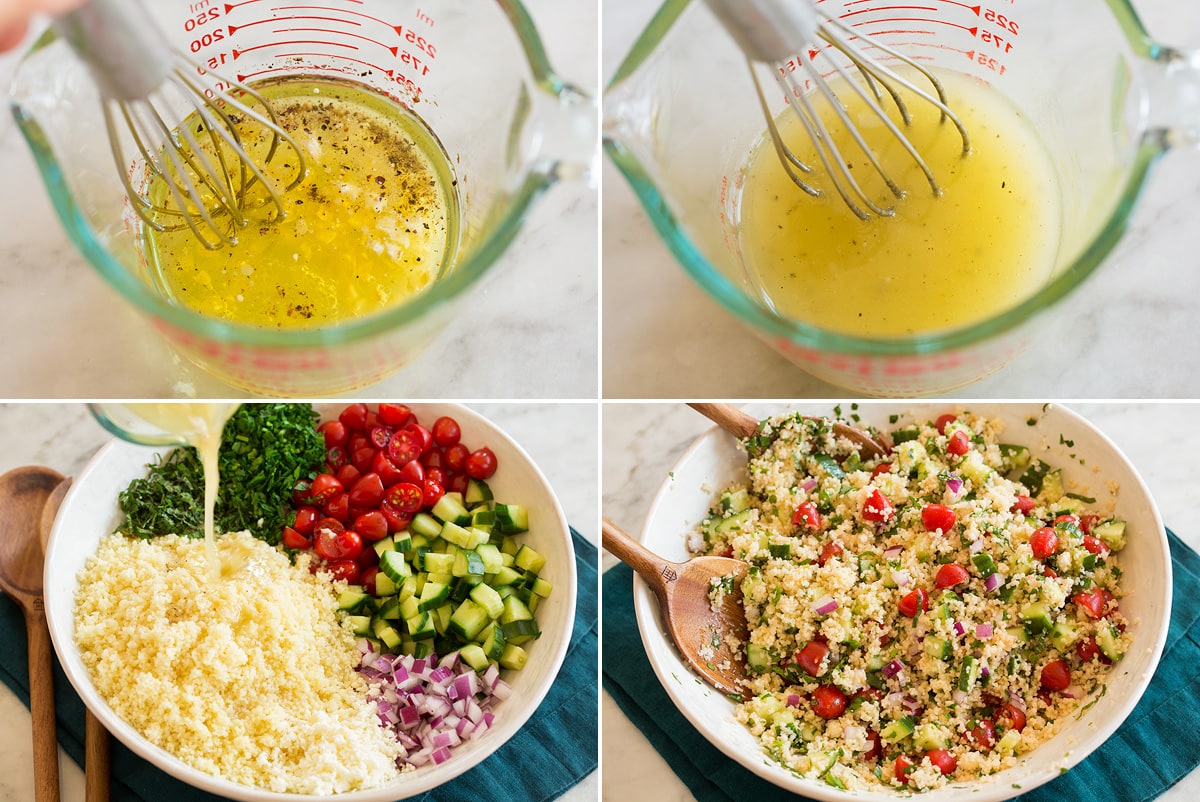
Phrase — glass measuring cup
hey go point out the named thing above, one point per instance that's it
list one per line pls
(169, 423)
(681, 116)
(509, 129)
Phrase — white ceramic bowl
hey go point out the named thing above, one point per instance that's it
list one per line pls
(89, 512)
(714, 461)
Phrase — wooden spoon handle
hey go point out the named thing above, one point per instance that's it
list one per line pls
(96, 760)
(41, 705)
(648, 565)
(729, 418)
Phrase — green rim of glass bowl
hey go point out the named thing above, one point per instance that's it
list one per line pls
(466, 272)
(712, 280)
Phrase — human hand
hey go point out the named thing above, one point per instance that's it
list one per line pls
(15, 16)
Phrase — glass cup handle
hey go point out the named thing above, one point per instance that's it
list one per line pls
(570, 146)
(1172, 97)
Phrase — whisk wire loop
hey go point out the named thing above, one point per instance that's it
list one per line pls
(789, 160)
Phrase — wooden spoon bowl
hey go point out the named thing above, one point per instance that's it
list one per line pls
(742, 425)
(702, 635)
(23, 495)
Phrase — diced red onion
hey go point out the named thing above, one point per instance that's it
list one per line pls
(892, 669)
(893, 552)
(994, 581)
(976, 546)
(809, 484)
(983, 631)
(893, 699)
(910, 704)
(901, 578)
(954, 485)
(984, 671)
(825, 605)
(959, 629)
(1017, 701)
(960, 697)
(1073, 692)
(793, 700)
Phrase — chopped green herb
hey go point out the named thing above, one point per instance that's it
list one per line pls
(1062, 441)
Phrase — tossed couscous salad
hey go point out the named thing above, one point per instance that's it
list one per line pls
(918, 619)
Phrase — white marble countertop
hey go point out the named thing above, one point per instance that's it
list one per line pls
(641, 442)
(538, 303)
(663, 334)
(64, 437)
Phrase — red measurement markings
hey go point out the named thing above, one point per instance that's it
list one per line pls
(230, 6)
(238, 53)
(393, 50)
(342, 11)
(276, 20)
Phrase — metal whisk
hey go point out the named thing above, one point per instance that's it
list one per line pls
(776, 31)
(148, 90)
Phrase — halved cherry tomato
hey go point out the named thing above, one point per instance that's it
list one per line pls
(397, 521)
(404, 447)
(454, 458)
(828, 552)
(348, 475)
(435, 475)
(1087, 649)
(913, 602)
(938, 517)
(421, 432)
(1010, 717)
(457, 483)
(356, 441)
(367, 579)
(876, 745)
(346, 570)
(950, 575)
(294, 540)
(336, 458)
(368, 558)
(1023, 505)
(481, 463)
(1044, 542)
(337, 507)
(1094, 602)
(404, 497)
(394, 414)
(881, 468)
(958, 444)
(363, 458)
(323, 487)
(306, 518)
(1066, 519)
(367, 491)
(943, 421)
(943, 759)
(413, 473)
(446, 431)
(829, 701)
(386, 469)
(1049, 572)
(1086, 522)
(334, 432)
(371, 525)
(433, 458)
(877, 508)
(380, 436)
(1095, 546)
(904, 765)
(1056, 675)
(983, 735)
(431, 493)
(345, 544)
(808, 515)
(354, 417)
(811, 656)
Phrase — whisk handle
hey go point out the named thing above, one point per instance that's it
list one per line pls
(124, 50)
(768, 30)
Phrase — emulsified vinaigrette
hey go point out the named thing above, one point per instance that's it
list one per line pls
(371, 225)
(989, 241)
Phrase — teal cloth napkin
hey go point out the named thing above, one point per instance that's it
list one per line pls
(1152, 750)
(555, 749)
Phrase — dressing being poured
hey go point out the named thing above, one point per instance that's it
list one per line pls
(199, 425)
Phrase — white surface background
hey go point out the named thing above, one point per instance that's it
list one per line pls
(641, 442)
(1124, 334)
(537, 304)
(64, 437)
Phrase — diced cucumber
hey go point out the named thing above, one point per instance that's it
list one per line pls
(904, 435)
(352, 598)
(360, 625)
(492, 561)
(511, 519)
(529, 560)
(385, 585)
(968, 675)
(1063, 634)
(519, 632)
(449, 508)
(931, 736)
(1111, 533)
(487, 598)
(393, 565)
(507, 576)
(473, 656)
(410, 607)
(421, 627)
(515, 610)
(1014, 458)
(469, 619)
(453, 533)
(514, 657)
(984, 564)
(1018, 633)
(896, 731)
(868, 566)
(541, 587)
(380, 546)
(386, 633)
(425, 524)
(493, 645)
(436, 563)
(390, 609)
(758, 659)
(434, 594)
(1108, 639)
(403, 541)
(483, 518)
(1034, 475)
(1052, 487)
(441, 618)
(736, 500)
(939, 648)
(408, 588)
(1036, 619)
(736, 522)
(478, 492)
(781, 551)
(509, 546)
(468, 563)
(1008, 743)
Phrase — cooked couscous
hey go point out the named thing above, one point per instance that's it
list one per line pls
(251, 678)
(921, 618)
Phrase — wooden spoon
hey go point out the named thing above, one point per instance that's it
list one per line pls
(742, 425)
(97, 746)
(23, 494)
(699, 632)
